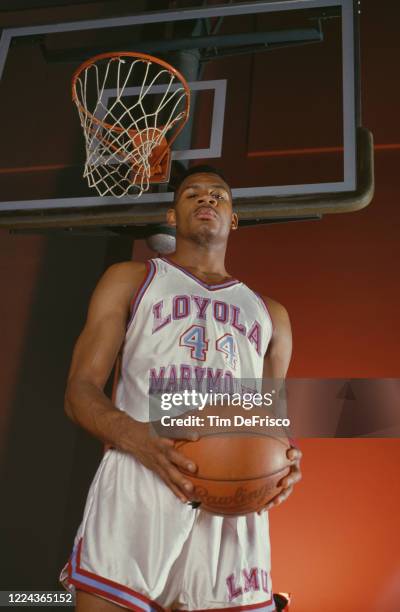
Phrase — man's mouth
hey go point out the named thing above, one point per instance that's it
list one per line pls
(205, 212)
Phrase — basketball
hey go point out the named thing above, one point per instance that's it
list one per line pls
(237, 473)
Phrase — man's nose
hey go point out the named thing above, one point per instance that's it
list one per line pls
(207, 199)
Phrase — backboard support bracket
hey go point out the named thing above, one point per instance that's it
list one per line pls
(262, 207)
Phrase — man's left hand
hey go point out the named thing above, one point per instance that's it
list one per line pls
(287, 483)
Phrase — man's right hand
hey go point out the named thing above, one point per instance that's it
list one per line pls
(160, 455)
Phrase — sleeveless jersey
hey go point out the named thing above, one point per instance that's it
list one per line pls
(184, 333)
(180, 330)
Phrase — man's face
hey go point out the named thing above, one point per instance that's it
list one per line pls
(203, 209)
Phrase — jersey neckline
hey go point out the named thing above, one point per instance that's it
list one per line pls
(214, 287)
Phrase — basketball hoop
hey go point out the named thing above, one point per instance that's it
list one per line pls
(132, 107)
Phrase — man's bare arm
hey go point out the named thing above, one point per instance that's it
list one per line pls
(93, 358)
(276, 364)
(95, 353)
(278, 355)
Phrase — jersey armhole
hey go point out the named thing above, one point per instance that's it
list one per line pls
(141, 290)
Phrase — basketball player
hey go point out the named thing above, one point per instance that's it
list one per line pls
(141, 545)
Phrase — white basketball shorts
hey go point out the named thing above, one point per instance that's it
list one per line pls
(141, 548)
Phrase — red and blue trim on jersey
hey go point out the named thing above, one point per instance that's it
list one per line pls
(266, 606)
(117, 593)
(216, 287)
(137, 298)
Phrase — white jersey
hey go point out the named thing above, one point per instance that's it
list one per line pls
(138, 546)
(184, 333)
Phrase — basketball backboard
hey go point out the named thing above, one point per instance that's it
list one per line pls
(275, 106)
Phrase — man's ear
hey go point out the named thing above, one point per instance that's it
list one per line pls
(171, 217)
(235, 221)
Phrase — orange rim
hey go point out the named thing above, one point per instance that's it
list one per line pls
(141, 56)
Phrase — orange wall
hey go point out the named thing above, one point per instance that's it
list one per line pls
(335, 542)
(338, 278)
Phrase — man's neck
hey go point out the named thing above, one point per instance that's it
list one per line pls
(209, 263)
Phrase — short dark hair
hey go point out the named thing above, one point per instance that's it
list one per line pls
(197, 169)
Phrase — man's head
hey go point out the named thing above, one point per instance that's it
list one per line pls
(202, 208)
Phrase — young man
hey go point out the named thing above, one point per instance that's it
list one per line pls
(141, 545)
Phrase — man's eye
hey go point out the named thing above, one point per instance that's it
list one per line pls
(219, 196)
(191, 195)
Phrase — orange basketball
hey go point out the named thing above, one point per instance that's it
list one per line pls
(236, 473)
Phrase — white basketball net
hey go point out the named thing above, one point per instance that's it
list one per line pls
(127, 105)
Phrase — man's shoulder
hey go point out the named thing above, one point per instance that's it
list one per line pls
(125, 272)
(273, 304)
(119, 282)
(277, 311)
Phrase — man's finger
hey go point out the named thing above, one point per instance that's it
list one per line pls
(193, 436)
(294, 454)
(177, 478)
(164, 475)
(291, 479)
(277, 500)
(180, 433)
(282, 496)
(286, 482)
(296, 476)
(180, 460)
(163, 443)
